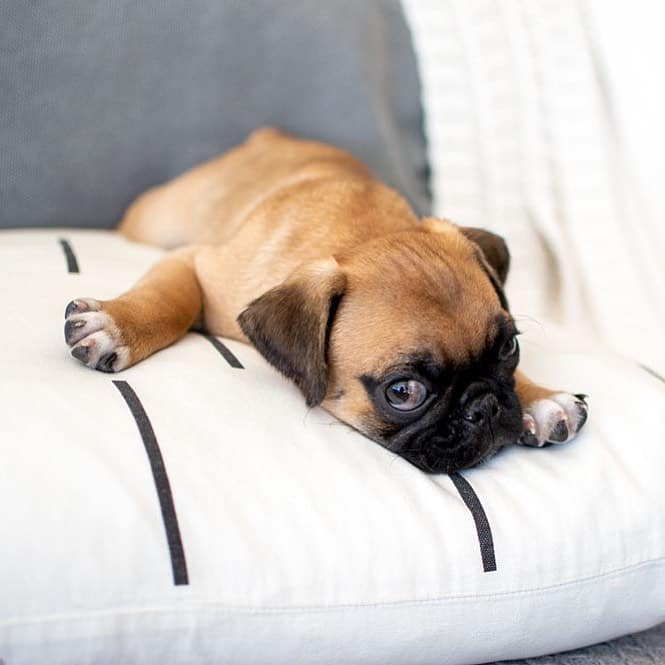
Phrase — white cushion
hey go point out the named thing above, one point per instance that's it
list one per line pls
(303, 541)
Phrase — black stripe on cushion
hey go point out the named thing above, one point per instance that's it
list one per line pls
(483, 529)
(224, 351)
(176, 550)
(653, 373)
(72, 263)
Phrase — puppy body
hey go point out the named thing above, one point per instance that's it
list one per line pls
(262, 210)
(295, 247)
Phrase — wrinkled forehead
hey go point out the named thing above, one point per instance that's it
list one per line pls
(452, 338)
(422, 300)
(441, 267)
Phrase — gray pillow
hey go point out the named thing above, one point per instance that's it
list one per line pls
(101, 100)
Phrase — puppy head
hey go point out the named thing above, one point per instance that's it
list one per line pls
(406, 338)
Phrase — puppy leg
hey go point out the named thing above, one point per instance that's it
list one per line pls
(114, 334)
(549, 416)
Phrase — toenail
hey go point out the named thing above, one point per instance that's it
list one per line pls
(106, 362)
(583, 411)
(528, 439)
(529, 424)
(81, 353)
(71, 308)
(559, 433)
(71, 327)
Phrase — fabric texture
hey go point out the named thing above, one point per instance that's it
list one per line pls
(523, 140)
(202, 509)
(102, 100)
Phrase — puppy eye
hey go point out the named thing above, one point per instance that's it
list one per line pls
(509, 348)
(406, 395)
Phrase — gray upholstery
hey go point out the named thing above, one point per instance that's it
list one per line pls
(646, 648)
(102, 99)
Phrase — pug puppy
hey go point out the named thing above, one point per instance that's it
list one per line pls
(398, 327)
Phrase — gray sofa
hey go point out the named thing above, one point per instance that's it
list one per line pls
(103, 100)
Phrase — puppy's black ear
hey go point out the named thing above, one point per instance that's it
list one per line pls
(290, 324)
(494, 249)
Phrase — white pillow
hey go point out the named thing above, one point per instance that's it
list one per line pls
(294, 539)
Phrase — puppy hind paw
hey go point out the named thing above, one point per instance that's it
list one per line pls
(555, 419)
(93, 336)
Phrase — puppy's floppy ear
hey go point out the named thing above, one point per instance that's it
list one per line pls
(290, 324)
(493, 247)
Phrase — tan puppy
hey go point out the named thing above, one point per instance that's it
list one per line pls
(398, 327)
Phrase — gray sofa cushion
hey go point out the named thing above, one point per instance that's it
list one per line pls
(646, 648)
(101, 100)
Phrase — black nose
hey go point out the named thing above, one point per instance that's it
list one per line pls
(485, 407)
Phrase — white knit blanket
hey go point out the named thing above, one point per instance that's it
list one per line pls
(523, 141)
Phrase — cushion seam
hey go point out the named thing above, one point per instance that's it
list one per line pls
(206, 606)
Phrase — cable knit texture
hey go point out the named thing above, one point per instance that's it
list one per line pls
(522, 141)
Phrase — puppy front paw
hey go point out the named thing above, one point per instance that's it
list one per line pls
(555, 419)
(94, 337)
